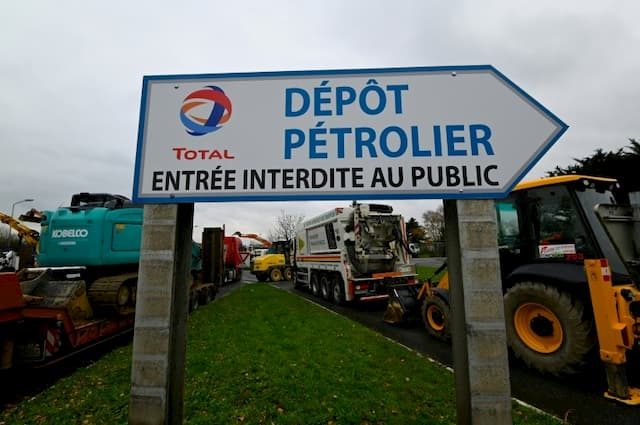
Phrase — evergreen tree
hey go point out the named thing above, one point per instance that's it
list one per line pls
(622, 164)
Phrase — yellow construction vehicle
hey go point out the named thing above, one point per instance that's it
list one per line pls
(570, 266)
(10, 260)
(29, 235)
(275, 264)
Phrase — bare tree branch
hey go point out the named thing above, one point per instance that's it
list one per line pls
(285, 226)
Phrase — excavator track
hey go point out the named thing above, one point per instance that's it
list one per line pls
(114, 292)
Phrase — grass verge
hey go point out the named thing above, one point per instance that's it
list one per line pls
(262, 355)
(427, 272)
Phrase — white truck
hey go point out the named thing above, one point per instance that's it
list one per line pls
(353, 253)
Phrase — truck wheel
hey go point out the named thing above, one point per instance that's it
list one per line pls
(205, 296)
(546, 328)
(275, 275)
(325, 288)
(436, 315)
(337, 291)
(288, 274)
(315, 285)
(262, 277)
(193, 302)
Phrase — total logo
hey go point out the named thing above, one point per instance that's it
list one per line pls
(69, 233)
(205, 111)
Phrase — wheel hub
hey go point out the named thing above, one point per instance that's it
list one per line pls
(538, 327)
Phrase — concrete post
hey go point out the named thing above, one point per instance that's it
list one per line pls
(480, 358)
(159, 343)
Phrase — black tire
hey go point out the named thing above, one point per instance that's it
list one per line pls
(547, 328)
(194, 302)
(325, 287)
(288, 274)
(436, 317)
(337, 290)
(314, 285)
(213, 290)
(262, 277)
(205, 296)
(275, 275)
(238, 277)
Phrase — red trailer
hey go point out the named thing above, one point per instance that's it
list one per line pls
(222, 256)
(44, 319)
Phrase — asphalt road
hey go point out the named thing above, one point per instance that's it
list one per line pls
(577, 398)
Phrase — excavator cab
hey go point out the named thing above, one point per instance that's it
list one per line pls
(276, 264)
(279, 247)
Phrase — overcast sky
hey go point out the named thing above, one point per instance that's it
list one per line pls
(71, 75)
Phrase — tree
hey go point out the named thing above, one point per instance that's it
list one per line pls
(434, 224)
(415, 232)
(621, 164)
(285, 226)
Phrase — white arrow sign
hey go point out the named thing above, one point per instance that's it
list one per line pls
(429, 132)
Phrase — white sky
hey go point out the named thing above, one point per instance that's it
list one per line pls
(71, 76)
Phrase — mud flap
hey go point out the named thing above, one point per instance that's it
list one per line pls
(403, 303)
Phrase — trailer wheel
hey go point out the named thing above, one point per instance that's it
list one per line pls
(436, 315)
(315, 286)
(194, 302)
(325, 286)
(275, 275)
(337, 290)
(288, 274)
(238, 276)
(205, 296)
(547, 328)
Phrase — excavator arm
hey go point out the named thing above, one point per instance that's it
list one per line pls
(29, 235)
(255, 237)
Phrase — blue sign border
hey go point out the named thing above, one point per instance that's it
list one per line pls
(171, 199)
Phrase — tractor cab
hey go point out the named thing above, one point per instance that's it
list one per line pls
(553, 221)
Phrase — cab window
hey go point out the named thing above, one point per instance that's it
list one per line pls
(557, 225)
(508, 226)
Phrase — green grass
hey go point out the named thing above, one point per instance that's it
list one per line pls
(426, 272)
(262, 355)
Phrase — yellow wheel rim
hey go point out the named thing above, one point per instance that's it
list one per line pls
(276, 275)
(538, 327)
(435, 318)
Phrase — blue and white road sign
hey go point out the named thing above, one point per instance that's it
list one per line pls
(399, 133)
